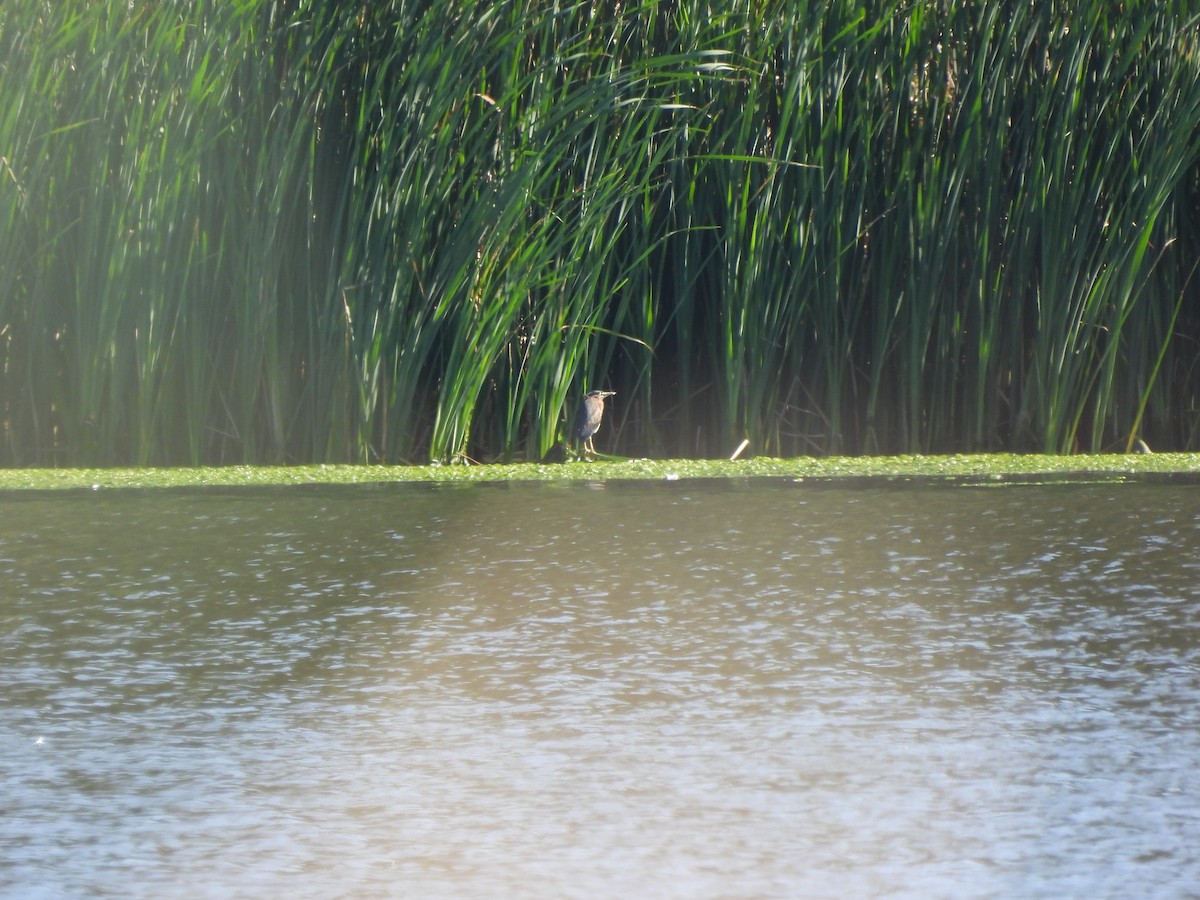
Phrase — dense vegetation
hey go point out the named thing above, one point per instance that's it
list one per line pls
(297, 230)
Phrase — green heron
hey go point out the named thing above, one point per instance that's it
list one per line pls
(587, 420)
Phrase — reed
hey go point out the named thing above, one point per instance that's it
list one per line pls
(301, 231)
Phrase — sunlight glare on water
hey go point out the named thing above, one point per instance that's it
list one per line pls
(668, 690)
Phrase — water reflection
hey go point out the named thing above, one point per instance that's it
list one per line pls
(761, 689)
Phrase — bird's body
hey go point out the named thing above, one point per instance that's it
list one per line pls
(587, 420)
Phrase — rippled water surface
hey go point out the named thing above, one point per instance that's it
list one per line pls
(669, 690)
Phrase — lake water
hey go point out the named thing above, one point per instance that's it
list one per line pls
(760, 689)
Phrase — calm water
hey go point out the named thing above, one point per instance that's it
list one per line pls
(664, 690)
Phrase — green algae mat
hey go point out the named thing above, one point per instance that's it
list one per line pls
(977, 468)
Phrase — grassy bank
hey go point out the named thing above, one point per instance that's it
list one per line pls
(987, 468)
(304, 232)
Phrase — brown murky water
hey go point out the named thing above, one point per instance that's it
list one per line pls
(667, 690)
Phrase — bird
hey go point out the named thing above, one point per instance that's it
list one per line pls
(587, 420)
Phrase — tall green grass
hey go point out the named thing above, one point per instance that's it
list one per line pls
(304, 231)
